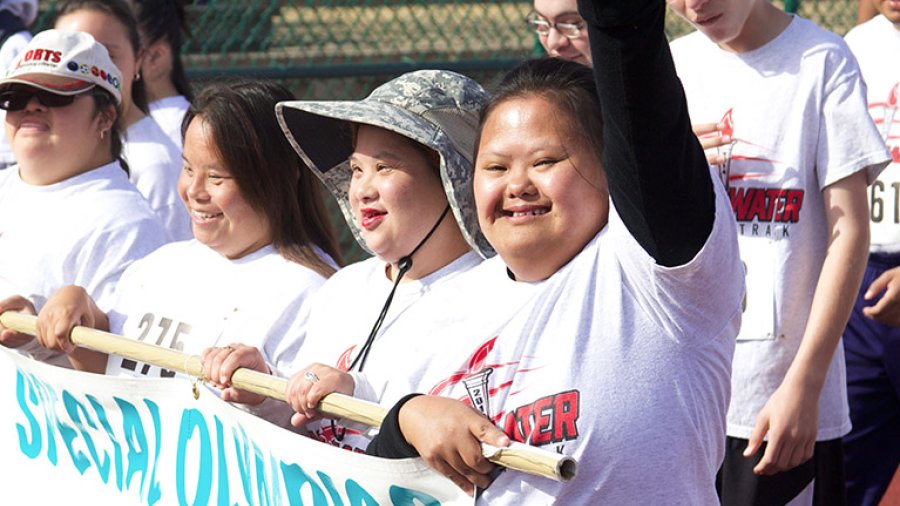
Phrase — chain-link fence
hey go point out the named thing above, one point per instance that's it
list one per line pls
(342, 49)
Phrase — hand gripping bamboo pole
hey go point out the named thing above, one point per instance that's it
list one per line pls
(520, 457)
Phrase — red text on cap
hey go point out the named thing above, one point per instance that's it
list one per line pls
(42, 55)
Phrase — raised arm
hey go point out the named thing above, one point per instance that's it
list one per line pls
(659, 179)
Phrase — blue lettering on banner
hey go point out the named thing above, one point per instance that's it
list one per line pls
(68, 434)
(119, 454)
(295, 479)
(138, 449)
(329, 486)
(242, 450)
(358, 495)
(117, 448)
(85, 433)
(222, 492)
(154, 493)
(262, 486)
(31, 447)
(192, 421)
(401, 496)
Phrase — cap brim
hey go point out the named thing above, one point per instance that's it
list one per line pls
(52, 83)
(321, 129)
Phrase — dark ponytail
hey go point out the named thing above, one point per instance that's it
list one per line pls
(164, 20)
(102, 100)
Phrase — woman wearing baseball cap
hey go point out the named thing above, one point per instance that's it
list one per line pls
(67, 211)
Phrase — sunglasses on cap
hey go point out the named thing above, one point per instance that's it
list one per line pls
(16, 100)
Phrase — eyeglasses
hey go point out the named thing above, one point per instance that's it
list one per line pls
(542, 27)
(16, 100)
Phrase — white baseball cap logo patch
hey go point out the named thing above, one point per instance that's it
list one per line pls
(65, 63)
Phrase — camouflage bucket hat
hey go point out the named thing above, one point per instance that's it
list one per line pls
(436, 108)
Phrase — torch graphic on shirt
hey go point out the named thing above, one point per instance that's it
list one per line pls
(474, 377)
(479, 393)
(476, 380)
(725, 149)
(889, 110)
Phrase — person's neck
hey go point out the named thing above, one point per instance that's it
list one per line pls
(763, 24)
(131, 115)
(439, 251)
(45, 172)
(158, 90)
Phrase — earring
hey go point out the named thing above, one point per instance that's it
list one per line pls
(137, 76)
(102, 135)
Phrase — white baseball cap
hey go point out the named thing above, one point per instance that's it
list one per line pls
(64, 63)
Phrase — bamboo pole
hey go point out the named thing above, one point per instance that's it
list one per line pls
(519, 457)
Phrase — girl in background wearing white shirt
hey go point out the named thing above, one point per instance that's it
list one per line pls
(154, 160)
(169, 94)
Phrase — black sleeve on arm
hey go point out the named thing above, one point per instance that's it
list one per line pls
(659, 179)
(390, 443)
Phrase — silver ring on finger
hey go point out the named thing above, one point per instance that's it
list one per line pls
(310, 377)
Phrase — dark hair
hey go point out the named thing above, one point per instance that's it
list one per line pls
(269, 174)
(123, 13)
(568, 85)
(164, 20)
(102, 100)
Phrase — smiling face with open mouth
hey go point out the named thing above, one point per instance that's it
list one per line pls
(539, 188)
(220, 216)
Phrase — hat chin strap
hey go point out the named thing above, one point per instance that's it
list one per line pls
(404, 264)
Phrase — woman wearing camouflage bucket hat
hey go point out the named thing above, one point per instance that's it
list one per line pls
(67, 211)
(398, 162)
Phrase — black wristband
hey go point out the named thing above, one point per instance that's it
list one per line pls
(390, 443)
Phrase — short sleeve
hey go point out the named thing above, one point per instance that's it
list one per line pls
(848, 139)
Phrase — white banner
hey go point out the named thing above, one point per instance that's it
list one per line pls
(80, 438)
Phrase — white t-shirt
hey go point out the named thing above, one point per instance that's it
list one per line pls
(84, 231)
(342, 315)
(168, 113)
(609, 360)
(798, 112)
(8, 52)
(155, 164)
(187, 297)
(875, 44)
